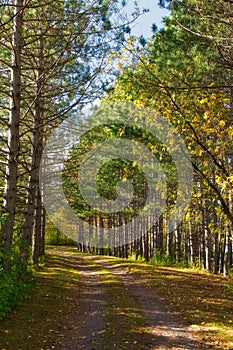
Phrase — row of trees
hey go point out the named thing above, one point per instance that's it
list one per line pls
(185, 74)
(53, 61)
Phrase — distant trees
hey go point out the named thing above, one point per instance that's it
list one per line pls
(115, 170)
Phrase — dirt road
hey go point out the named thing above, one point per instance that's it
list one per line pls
(95, 324)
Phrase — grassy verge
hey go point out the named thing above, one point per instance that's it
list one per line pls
(30, 325)
(200, 299)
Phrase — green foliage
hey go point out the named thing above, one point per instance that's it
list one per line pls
(108, 176)
(55, 237)
(229, 286)
(161, 259)
(15, 285)
(135, 257)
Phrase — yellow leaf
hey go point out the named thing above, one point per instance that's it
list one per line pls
(222, 123)
(206, 115)
(204, 100)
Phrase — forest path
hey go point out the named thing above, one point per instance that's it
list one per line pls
(114, 308)
(85, 325)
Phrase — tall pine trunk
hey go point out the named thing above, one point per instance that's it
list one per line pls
(10, 191)
(36, 154)
(37, 241)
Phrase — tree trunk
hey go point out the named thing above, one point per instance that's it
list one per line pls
(146, 246)
(43, 222)
(191, 244)
(227, 251)
(36, 154)
(159, 236)
(101, 235)
(169, 243)
(230, 248)
(178, 233)
(216, 244)
(207, 235)
(127, 236)
(202, 247)
(10, 191)
(37, 234)
(186, 243)
(222, 243)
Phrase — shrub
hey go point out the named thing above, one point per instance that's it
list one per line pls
(15, 285)
(55, 237)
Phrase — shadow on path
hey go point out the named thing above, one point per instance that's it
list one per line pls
(84, 327)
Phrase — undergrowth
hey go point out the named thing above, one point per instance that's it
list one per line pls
(162, 260)
(14, 285)
(229, 285)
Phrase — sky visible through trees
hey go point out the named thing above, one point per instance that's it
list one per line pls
(143, 26)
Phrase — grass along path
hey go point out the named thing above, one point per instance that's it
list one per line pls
(33, 323)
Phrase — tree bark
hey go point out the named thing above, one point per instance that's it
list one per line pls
(178, 238)
(227, 251)
(10, 191)
(37, 232)
(36, 154)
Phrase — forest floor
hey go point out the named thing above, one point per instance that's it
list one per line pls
(90, 302)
